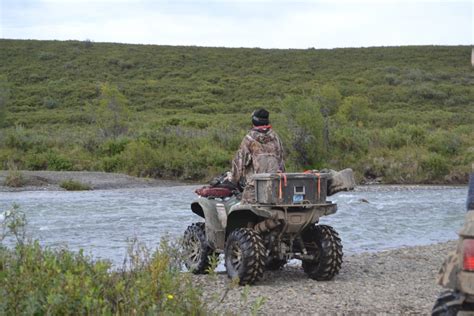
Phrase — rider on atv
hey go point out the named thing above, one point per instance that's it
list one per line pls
(260, 152)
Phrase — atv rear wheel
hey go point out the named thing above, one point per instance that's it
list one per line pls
(196, 249)
(324, 243)
(449, 303)
(245, 256)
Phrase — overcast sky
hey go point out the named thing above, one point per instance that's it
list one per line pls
(265, 23)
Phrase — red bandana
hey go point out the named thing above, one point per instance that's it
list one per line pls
(263, 127)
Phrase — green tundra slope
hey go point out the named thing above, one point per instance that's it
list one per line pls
(403, 114)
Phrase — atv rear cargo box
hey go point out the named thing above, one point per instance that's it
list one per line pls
(290, 188)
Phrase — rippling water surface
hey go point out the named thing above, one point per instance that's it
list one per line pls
(101, 221)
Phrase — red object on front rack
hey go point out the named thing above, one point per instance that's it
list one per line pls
(214, 192)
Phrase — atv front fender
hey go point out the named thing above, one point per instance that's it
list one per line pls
(213, 212)
(207, 209)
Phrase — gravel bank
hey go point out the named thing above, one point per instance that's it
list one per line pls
(399, 281)
(50, 180)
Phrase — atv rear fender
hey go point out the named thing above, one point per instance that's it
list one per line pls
(295, 219)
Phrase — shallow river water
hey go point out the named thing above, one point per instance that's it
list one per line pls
(100, 222)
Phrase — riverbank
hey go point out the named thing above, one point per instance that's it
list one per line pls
(399, 281)
(51, 180)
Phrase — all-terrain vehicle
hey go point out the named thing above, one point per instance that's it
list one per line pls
(281, 225)
(457, 272)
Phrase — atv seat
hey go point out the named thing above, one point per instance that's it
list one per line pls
(214, 192)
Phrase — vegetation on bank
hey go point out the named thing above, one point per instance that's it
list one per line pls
(14, 179)
(403, 114)
(38, 280)
(72, 185)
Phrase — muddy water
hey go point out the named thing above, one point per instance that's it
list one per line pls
(100, 222)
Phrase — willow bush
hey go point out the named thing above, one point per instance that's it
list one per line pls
(37, 280)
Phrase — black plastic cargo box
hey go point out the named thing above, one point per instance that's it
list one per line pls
(290, 188)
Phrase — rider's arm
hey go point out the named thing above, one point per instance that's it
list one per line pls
(280, 155)
(241, 160)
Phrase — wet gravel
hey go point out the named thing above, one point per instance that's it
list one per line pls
(400, 281)
(50, 180)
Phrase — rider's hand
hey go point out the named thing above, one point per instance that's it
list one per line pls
(228, 176)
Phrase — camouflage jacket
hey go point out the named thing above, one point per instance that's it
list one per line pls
(260, 152)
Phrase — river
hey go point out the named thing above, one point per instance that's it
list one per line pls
(100, 222)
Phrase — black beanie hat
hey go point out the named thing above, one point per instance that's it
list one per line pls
(260, 117)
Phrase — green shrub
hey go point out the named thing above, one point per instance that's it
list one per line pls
(306, 123)
(50, 103)
(350, 140)
(207, 109)
(180, 102)
(392, 138)
(58, 162)
(4, 99)
(392, 79)
(444, 142)
(14, 179)
(37, 161)
(18, 138)
(114, 147)
(72, 185)
(140, 159)
(403, 134)
(110, 164)
(111, 113)
(46, 56)
(329, 99)
(36, 280)
(200, 124)
(435, 166)
(428, 92)
(228, 138)
(354, 109)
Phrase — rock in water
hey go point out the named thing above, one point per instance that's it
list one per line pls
(341, 181)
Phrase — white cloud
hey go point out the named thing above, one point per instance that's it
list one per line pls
(268, 24)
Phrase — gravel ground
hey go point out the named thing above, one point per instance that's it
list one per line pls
(50, 180)
(399, 281)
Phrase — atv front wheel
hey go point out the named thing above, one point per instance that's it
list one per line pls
(449, 303)
(196, 249)
(324, 243)
(245, 256)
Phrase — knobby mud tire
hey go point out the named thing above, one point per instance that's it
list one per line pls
(196, 249)
(324, 242)
(245, 256)
(449, 303)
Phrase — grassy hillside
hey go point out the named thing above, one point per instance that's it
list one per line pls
(405, 114)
